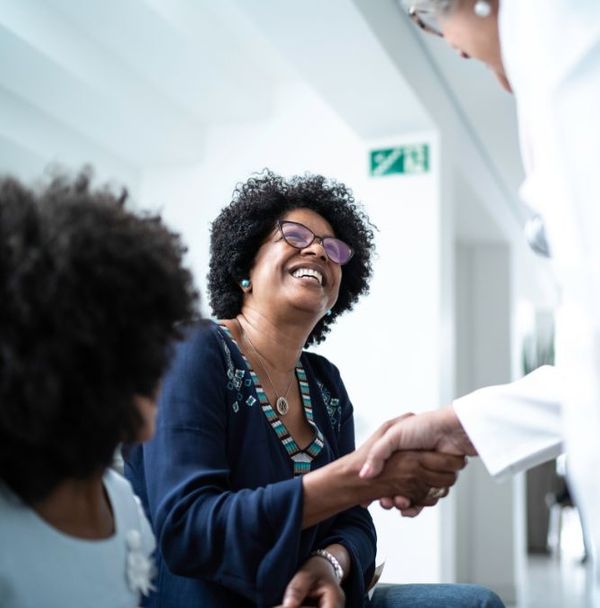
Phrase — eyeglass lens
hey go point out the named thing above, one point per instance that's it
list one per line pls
(299, 236)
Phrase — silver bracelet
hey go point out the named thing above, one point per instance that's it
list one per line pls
(333, 561)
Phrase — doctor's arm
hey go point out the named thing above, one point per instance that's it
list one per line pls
(512, 427)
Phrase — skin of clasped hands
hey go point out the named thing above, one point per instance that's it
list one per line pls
(405, 478)
(438, 430)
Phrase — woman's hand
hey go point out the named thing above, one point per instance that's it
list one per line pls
(364, 450)
(315, 584)
(412, 509)
(418, 478)
(407, 477)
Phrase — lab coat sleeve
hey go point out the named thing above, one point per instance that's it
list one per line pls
(514, 426)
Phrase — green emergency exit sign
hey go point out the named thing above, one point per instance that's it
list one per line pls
(411, 159)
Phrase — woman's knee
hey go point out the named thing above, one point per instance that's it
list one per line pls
(435, 596)
(482, 597)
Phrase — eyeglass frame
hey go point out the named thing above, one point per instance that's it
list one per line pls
(315, 238)
(413, 13)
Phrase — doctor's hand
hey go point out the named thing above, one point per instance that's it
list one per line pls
(438, 430)
(411, 477)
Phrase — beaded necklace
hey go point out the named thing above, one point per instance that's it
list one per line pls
(301, 458)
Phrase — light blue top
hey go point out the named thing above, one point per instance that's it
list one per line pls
(43, 567)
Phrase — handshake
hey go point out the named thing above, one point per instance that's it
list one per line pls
(409, 463)
(419, 457)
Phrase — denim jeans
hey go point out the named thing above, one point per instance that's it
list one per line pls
(434, 596)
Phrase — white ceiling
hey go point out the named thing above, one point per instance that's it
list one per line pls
(140, 81)
(140, 78)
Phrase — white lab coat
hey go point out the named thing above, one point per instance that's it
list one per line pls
(551, 51)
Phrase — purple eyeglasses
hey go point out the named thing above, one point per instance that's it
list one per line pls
(299, 236)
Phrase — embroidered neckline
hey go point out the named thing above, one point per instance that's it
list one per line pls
(301, 458)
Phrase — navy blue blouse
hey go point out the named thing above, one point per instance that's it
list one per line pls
(219, 489)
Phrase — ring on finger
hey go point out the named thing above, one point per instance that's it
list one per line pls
(435, 493)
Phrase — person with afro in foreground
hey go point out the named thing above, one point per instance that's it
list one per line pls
(91, 298)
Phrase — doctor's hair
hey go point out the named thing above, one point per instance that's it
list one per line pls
(91, 298)
(241, 228)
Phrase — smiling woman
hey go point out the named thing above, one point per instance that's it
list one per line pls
(252, 480)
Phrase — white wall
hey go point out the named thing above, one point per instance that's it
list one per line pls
(31, 142)
(490, 544)
(388, 348)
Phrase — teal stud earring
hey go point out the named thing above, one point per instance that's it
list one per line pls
(245, 283)
(328, 313)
